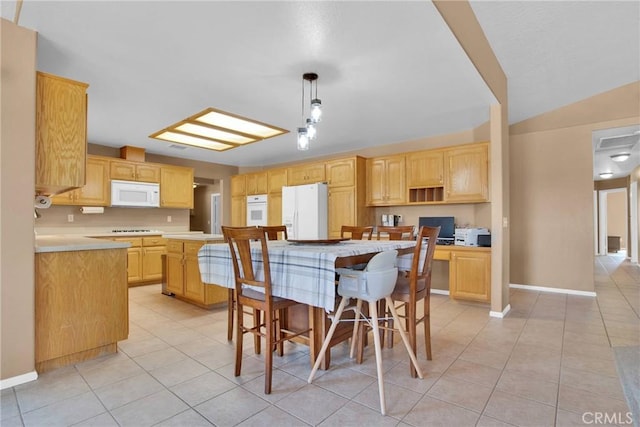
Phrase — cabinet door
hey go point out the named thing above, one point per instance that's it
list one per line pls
(134, 264)
(274, 209)
(123, 170)
(306, 174)
(315, 173)
(238, 211)
(466, 174)
(297, 176)
(152, 262)
(342, 209)
(175, 273)
(61, 134)
(341, 173)
(257, 183)
(376, 191)
(470, 276)
(148, 173)
(67, 198)
(96, 191)
(238, 185)
(176, 187)
(425, 169)
(396, 181)
(277, 179)
(193, 286)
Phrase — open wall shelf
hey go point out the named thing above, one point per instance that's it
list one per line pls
(426, 195)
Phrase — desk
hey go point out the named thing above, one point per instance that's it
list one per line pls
(303, 273)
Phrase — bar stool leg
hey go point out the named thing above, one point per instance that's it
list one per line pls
(373, 308)
(327, 340)
(356, 325)
(403, 335)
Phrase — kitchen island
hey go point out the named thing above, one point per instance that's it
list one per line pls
(81, 299)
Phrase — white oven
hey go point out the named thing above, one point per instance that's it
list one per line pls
(257, 210)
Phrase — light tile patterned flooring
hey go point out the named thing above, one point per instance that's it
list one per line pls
(547, 363)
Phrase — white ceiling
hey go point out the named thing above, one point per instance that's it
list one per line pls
(389, 71)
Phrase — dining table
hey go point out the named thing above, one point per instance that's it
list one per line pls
(303, 271)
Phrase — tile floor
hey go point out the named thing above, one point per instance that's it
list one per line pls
(547, 363)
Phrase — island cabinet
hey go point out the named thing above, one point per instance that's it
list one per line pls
(466, 171)
(144, 259)
(238, 200)
(61, 134)
(176, 187)
(134, 171)
(347, 205)
(256, 183)
(277, 178)
(95, 192)
(183, 274)
(81, 305)
(386, 181)
(309, 173)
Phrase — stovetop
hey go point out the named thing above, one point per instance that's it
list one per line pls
(137, 230)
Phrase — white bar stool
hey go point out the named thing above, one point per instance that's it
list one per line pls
(375, 282)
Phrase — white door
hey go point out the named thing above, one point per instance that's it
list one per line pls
(216, 212)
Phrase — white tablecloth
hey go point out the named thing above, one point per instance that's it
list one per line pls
(301, 272)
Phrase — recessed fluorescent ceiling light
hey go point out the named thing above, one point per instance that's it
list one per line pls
(606, 175)
(217, 130)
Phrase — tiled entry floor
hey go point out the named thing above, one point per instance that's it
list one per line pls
(549, 362)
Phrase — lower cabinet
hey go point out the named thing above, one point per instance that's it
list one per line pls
(144, 259)
(470, 275)
(183, 274)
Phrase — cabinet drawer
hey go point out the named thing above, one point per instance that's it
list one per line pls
(135, 241)
(174, 246)
(192, 248)
(154, 241)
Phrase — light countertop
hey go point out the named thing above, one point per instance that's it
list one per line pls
(68, 243)
(194, 236)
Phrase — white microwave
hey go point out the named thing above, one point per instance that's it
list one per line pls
(135, 194)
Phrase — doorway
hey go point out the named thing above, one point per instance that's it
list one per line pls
(216, 214)
(612, 221)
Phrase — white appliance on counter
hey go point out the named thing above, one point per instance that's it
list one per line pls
(305, 211)
(257, 210)
(135, 194)
(469, 236)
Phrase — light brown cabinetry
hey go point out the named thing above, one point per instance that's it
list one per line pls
(239, 185)
(183, 274)
(306, 174)
(257, 183)
(466, 174)
(470, 275)
(133, 171)
(144, 258)
(425, 176)
(277, 179)
(347, 205)
(81, 305)
(386, 181)
(176, 187)
(274, 209)
(61, 134)
(96, 190)
(238, 200)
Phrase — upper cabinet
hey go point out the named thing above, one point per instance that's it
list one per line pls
(386, 183)
(277, 179)
(257, 183)
(341, 172)
(238, 185)
(466, 174)
(176, 187)
(309, 173)
(95, 192)
(61, 134)
(133, 171)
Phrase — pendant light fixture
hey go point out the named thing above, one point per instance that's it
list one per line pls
(309, 131)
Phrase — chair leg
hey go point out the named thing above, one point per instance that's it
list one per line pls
(268, 356)
(279, 335)
(327, 339)
(239, 334)
(373, 308)
(230, 309)
(356, 325)
(410, 309)
(427, 328)
(256, 322)
(405, 338)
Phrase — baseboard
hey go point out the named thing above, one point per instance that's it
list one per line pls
(439, 291)
(553, 290)
(20, 379)
(500, 314)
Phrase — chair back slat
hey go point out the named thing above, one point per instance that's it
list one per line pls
(239, 240)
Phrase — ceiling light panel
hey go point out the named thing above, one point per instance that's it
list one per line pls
(216, 134)
(240, 124)
(192, 140)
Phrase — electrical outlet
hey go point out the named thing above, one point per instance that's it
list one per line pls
(70, 218)
(168, 218)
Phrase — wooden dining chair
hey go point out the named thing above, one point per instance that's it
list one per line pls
(415, 285)
(404, 232)
(357, 233)
(273, 231)
(257, 294)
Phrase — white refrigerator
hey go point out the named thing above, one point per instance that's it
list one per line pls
(304, 211)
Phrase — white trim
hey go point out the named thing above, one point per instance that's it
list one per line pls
(20, 379)
(439, 291)
(500, 314)
(553, 290)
